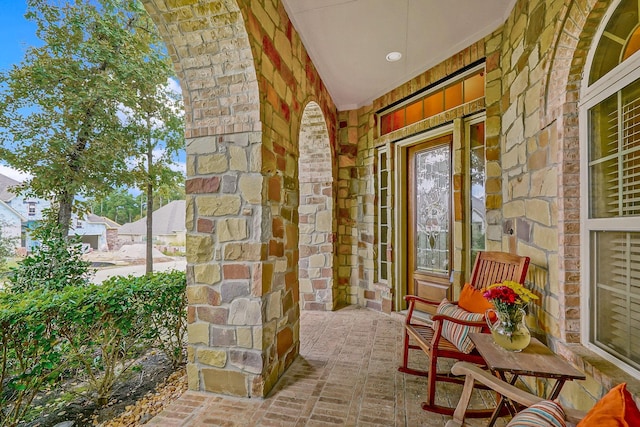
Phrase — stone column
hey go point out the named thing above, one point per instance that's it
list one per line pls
(224, 223)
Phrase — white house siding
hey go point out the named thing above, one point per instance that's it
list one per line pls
(10, 223)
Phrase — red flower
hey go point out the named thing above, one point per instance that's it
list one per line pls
(502, 294)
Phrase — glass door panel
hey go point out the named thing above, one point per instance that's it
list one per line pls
(429, 218)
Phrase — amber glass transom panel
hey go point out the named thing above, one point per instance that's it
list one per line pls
(414, 112)
(453, 96)
(474, 87)
(392, 121)
(433, 192)
(434, 104)
(620, 40)
(465, 90)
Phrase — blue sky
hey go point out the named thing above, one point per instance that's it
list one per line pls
(16, 32)
(16, 35)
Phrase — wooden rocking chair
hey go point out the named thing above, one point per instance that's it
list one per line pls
(489, 268)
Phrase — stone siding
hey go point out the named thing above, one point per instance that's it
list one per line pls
(259, 231)
(534, 68)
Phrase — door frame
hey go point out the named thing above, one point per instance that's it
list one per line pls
(400, 205)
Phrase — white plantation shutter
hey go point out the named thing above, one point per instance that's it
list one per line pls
(614, 196)
(615, 155)
(629, 180)
(617, 294)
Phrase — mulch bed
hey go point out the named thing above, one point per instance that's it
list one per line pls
(135, 400)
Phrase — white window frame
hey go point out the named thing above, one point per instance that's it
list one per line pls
(474, 120)
(382, 159)
(615, 80)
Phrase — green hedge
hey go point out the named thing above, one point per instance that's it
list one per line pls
(97, 330)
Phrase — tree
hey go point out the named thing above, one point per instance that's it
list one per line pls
(160, 129)
(63, 108)
(169, 192)
(119, 205)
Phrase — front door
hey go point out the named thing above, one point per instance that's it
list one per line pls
(429, 219)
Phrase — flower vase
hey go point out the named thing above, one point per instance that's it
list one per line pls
(509, 330)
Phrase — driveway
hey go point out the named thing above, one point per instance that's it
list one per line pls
(138, 270)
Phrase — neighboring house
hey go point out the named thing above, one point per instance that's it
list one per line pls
(24, 213)
(97, 232)
(10, 223)
(28, 208)
(168, 226)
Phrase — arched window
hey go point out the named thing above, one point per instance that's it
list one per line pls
(610, 190)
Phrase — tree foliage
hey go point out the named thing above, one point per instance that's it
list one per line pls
(53, 265)
(121, 206)
(65, 109)
(7, 245)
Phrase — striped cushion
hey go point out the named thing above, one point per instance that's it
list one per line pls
(456, 333)
(544, 414)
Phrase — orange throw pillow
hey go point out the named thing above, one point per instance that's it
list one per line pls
(473, 301)
(616, 409)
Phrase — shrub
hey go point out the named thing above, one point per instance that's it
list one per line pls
(32, 354)
(53, 265)
(109, 323)
(103, 329)
(99, 328)
(164, 303)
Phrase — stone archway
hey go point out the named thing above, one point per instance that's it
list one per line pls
(245, 75)
(559, 113)
(211, 52)
(315, 213)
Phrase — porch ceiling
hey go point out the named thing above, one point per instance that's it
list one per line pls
(348, 40)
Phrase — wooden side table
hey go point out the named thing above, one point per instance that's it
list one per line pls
(537, 360)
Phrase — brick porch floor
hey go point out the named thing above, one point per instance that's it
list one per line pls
(346, 375)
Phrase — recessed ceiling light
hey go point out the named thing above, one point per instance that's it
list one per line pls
(393, 56)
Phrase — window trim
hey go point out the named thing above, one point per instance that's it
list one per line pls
(615, 80)
(421, 95)
(473, 120)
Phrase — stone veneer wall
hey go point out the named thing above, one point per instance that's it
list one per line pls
(534, 65)
(112, 239)
(537, 111)
(347, 207)
(245, 77)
